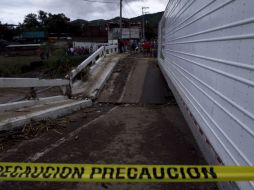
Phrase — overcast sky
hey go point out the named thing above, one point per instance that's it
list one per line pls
(13, 11)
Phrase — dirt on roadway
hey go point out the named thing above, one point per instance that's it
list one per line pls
(134, 121)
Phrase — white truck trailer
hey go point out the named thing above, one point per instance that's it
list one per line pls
(206, 53)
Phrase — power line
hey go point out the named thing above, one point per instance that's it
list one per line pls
(144, 13)
(121, 11)
(121, 19)
(92, 1)
(128, 5)
(127, 11)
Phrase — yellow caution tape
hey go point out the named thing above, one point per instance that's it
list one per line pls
(122, 173)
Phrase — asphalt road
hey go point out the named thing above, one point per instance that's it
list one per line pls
(135, 121)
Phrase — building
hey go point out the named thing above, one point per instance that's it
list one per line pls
(130, 30)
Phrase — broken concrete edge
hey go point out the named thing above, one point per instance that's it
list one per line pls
(76, 83)
(99, 62)
(105, 80)
(51, 113)
(101, 83)
(93, 67)
(28, 103)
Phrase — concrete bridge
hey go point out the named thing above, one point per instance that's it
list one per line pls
(124, 114)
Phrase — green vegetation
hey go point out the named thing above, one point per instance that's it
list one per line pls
(14, 66)
(58, 64)
(85, 74)
(56, 23)
(151, 20)
(152, 24)
(59, 24)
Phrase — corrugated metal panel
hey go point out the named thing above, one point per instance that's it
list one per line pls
(207, 51)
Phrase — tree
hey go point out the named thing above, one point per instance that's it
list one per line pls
(58, 23)
(31, 22)
(75, 28)
(43, 18)
(7, 31)
(1, 30)
(151, 31)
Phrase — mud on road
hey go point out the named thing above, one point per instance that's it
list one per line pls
(134, 121)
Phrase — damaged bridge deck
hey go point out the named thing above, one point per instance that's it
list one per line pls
(134, 120)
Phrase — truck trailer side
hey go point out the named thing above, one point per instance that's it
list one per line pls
(206, 53)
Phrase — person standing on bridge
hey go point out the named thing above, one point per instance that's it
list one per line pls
(147, 48)
(120, 45)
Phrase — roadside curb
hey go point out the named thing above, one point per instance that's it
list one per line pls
(51, 113)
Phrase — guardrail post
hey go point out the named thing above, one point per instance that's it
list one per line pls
(67, 90)
(32, 94)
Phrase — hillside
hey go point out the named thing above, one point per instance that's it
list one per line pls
(152, 21)
(80, 21)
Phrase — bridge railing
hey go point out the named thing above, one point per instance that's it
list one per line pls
(34, 83)
(64, 84)
(97, 56)
(111, 49)
(31, 82)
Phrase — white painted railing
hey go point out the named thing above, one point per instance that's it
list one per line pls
(31, 82)
(95, 57)
(111, 49)
(89, 61)
(64, 84)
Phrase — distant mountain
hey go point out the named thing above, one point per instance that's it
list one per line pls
(99, 22)
(153, 19)
(152, 22)
(80, 21)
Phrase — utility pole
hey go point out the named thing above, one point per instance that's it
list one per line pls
(121, 12)
(121, 19)
(143, 14)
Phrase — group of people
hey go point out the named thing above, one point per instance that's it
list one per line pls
(126, 45)
(71, 51)
(149, 48)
